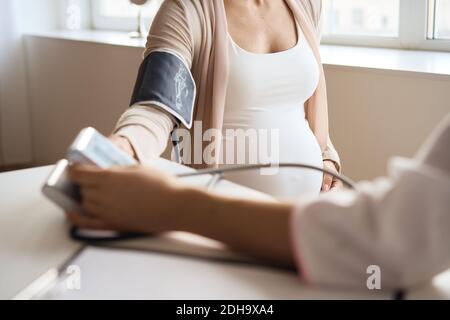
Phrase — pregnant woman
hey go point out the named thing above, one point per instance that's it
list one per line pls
(236, 65)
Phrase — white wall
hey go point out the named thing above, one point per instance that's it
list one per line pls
(17, 17)
(1, 108)
(378, 114)
(374, 114)
(74, 85)
(13, 91)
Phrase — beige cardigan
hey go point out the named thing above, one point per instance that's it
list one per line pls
(197, 31)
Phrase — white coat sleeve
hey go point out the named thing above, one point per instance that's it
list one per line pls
(400, 224)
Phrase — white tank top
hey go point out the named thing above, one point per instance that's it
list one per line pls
(268, 92)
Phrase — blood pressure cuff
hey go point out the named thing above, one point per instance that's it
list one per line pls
(165, 80)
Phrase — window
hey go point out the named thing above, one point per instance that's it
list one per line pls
(121, 14)
(362, 17)
(439, 19)
(407, 24)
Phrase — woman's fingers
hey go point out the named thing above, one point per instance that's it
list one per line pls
(327, 182)
(328, 179)
(337, 184)
(86, 222)
(86, 175)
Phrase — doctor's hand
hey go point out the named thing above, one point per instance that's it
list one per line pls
(329, 182)
(136, 199)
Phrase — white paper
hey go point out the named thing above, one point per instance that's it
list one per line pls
(121, 274)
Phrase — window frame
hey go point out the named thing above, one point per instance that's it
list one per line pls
(412, 34)
(413, 29)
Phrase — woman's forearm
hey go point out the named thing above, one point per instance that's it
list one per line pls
(258, 228)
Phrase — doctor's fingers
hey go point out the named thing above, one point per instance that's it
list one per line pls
(86, 222)
(93, 209)
(92, 194)
(87, 175)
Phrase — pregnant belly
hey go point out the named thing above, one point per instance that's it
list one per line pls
(296, 144)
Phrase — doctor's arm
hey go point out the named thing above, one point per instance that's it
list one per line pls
(148, 201)
(333, 239)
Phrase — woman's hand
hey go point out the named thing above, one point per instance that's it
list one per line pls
(123, 144)
(134, 199)
(329, 182)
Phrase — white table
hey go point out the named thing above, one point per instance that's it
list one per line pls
(34, 239)
(33, 233)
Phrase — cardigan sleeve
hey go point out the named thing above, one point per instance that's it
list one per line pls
(147, 126)
(172, 30)
(331, 154)
(314, 11)
(148, 129)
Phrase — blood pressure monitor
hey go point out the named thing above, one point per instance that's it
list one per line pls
(92, 148)
(61, 190)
